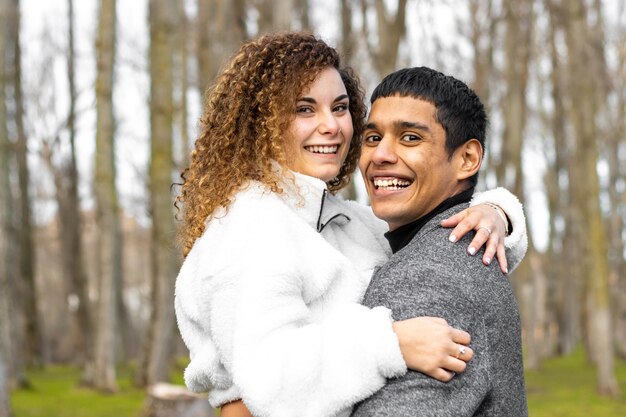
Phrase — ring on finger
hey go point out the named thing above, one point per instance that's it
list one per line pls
(486, 228)
(461, 352)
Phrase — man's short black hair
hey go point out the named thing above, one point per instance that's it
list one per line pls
(458, 108)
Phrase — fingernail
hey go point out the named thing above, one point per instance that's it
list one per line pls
(487, 260)
(506, 270)
(471, 251)
(452, 238)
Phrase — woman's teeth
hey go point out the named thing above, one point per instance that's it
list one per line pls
(322, 149)
(391, 184)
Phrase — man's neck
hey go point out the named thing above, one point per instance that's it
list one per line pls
(401, 236)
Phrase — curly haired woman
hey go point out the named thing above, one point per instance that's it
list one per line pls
(267, 299)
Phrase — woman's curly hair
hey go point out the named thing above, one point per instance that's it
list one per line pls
(246, 116)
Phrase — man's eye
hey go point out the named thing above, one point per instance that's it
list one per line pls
(411, 138)
(372, 139)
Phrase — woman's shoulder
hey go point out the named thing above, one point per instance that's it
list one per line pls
(363, 214)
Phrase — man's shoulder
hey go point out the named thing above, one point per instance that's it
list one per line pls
(432, 260)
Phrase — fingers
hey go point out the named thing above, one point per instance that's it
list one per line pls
(453, 365)
(462, 353)
(490, 248)
(442, 375)
(460, 337)
(482, 235)
(468, 222)
(504, 265)
(454, 220)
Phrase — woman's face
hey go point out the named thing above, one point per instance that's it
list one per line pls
(321, 132)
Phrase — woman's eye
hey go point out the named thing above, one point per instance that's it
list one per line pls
(341, 107)
(304, 109)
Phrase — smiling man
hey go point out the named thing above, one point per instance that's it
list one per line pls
(422, 149)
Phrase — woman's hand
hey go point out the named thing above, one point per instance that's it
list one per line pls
(235, 409)
(489, 227)
(431, 347)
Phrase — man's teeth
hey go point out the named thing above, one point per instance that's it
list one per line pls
(391, 184)
(322, 149)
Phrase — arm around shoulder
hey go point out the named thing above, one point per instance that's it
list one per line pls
(517, 242)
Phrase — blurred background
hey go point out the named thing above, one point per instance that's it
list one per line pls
(99, 110)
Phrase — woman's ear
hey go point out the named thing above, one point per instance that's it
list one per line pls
(470, 157)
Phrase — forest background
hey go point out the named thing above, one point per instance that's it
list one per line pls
(99, 102)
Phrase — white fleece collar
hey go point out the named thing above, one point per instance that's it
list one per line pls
(312, 201)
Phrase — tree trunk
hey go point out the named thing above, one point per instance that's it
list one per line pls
(166, 400)
(562, 254)
(390, 31)
(617, 173)
(222, 20)
(164, 265)
(482, 29)
(5, 211)
(107, 210)
(282, 14)
(66, 182)
(587, 195)
(529, 279)
(302, 7)
(33, 346)
(182, 69)
(347, 47)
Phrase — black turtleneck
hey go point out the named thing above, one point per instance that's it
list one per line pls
(401, 236)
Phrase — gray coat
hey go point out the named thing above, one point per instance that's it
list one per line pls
(433, 277)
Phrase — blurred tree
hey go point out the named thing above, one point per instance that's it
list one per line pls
(583, 115)
(164, 262)
(383, 45)
(5, 211)
(303, 10)
(563, 249)
(221, 28)
(530, 283)
(182, 76)
(66, 184)
(33, 346)
(617, 178)
(107, 209)
(275, 15)
(347, 37)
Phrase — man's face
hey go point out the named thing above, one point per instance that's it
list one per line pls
(404, 161)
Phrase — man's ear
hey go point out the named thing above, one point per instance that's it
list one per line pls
(469, 157)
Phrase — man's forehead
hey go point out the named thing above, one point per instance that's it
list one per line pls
(401, 112)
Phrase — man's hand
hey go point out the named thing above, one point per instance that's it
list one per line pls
(429, 345)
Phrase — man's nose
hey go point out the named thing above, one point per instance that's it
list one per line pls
(385, 152)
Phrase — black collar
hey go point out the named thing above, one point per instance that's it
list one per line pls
(401, 236)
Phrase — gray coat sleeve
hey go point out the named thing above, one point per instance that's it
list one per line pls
(432, 278)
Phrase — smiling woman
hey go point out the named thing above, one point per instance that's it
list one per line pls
(319, 137)
(268, 298)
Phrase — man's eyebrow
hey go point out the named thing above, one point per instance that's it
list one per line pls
(402, 124)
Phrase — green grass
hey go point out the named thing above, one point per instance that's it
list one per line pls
(55, 393)
(565, 387)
